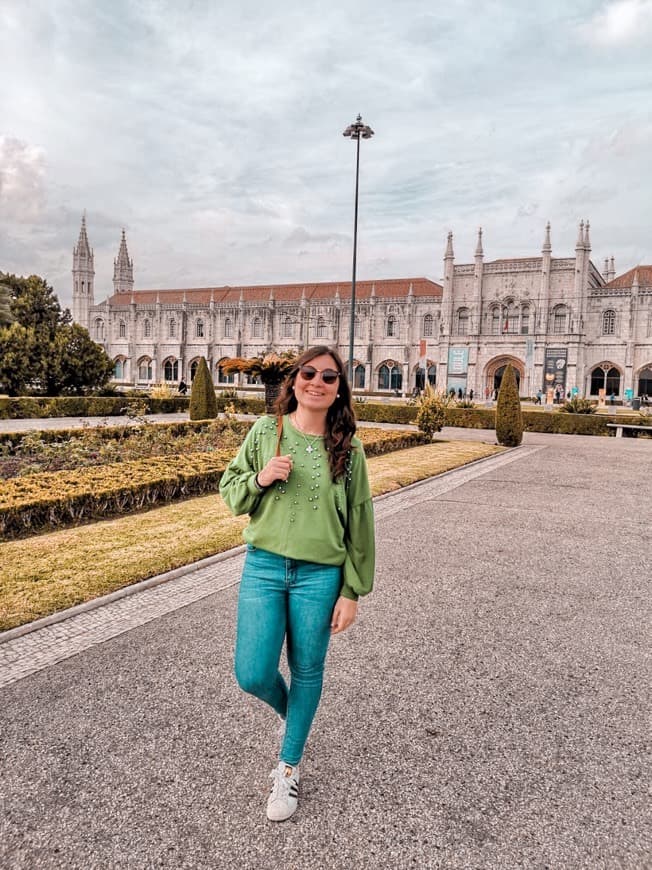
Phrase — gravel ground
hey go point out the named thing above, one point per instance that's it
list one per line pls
(489, 710)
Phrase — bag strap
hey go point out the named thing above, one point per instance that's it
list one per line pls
(279, 433)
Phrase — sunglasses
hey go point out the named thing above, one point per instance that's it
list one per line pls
(328, 376)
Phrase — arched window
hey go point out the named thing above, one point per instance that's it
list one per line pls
(122, 329)
(199, 328)
(147, 328)
(171, 370)
(559, 319)
(98, 329)
(321, 327)
(228, 328)
(392, 326)
(119, 369)
(172, 330)
(510, 319)
(427, 325)
(358, 326)
(288, 330)
(222, 377)
(432, 375)
(605, 377)
(525, 320)
(193, 369)
(145, 369)
(495, 320)
(609, 322)
(390, 376)
(462, 321)
(253, 379)
(358, 377)
(257, 328)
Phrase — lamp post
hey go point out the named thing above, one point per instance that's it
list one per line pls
(356, 131)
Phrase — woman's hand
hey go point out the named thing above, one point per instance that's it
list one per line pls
(278, 468)
(344, 614)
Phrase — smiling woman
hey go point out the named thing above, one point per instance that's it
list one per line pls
(302, 478)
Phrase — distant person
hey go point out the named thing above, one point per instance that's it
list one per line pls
(183, 388)
(539, 397)
(612, 398)
(460, 394)
(470, 395)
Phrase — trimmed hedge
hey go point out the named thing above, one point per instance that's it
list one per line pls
(54, 499)
(40, 407)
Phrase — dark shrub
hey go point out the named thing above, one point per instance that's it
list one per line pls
(509, 423)
(203, 402)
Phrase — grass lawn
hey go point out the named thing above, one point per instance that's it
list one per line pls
(47, 573)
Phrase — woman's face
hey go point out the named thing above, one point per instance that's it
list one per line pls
(315, 394)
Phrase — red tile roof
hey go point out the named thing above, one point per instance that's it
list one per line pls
(388, 288)
(627, 278)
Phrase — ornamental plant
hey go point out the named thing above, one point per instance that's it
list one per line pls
(578, 406)
(203, 401)
(432, 406)
(270, 368)
(509, 421)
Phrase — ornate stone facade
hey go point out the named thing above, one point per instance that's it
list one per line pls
(559, 321)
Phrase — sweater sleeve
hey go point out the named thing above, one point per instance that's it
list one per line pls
(359, 540)
(237, 486)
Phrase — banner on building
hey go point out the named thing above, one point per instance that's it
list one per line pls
(458, 366)
(554, 370)
(423, 354)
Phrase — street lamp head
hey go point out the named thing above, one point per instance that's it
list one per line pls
(358, 130)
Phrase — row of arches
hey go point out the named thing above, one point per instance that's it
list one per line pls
(388, 375)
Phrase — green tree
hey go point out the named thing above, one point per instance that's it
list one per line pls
(6, 316)
(203, 401)
(509, 420)
(17, 352)
(77, 365)
(47, 355)
(34, 303)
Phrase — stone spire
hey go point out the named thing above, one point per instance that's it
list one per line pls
(479, 253)
(123, 269)
(612, 269)
(635, 283)
(587, 239)
(605, 271)
(449, 255)
(547, 246)
(579, 244)
(83, 274)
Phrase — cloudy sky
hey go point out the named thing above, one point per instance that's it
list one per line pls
(212, 131)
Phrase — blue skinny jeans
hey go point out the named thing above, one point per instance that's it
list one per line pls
(279, 599)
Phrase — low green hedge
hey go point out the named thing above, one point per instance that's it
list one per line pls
(54, 499)
(38, 407)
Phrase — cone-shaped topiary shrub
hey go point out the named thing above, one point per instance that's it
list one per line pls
(203, 402)
(509, 422)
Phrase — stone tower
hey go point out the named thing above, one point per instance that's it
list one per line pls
(83, 274)
(123, 269)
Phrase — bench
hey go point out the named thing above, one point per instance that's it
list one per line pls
(620, 426)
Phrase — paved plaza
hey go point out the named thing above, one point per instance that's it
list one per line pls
(490, 709)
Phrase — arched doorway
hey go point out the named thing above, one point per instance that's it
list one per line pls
(605, 377)
(645, 382)
(496, 369)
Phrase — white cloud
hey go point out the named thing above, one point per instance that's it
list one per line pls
(620, 22)
(22, 181)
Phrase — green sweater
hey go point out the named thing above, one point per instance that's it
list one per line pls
(310, 517)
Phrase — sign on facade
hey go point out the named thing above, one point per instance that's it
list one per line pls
(554, 370)
(458, 366)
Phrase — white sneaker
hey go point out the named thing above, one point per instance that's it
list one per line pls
(284, 796)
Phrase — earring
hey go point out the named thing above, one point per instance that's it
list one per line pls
(337, 397)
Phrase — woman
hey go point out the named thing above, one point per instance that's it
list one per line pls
(310, 549)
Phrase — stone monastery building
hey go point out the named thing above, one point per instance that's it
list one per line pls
(560, 322)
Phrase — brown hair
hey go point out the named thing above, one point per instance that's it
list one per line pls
(340, 417)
